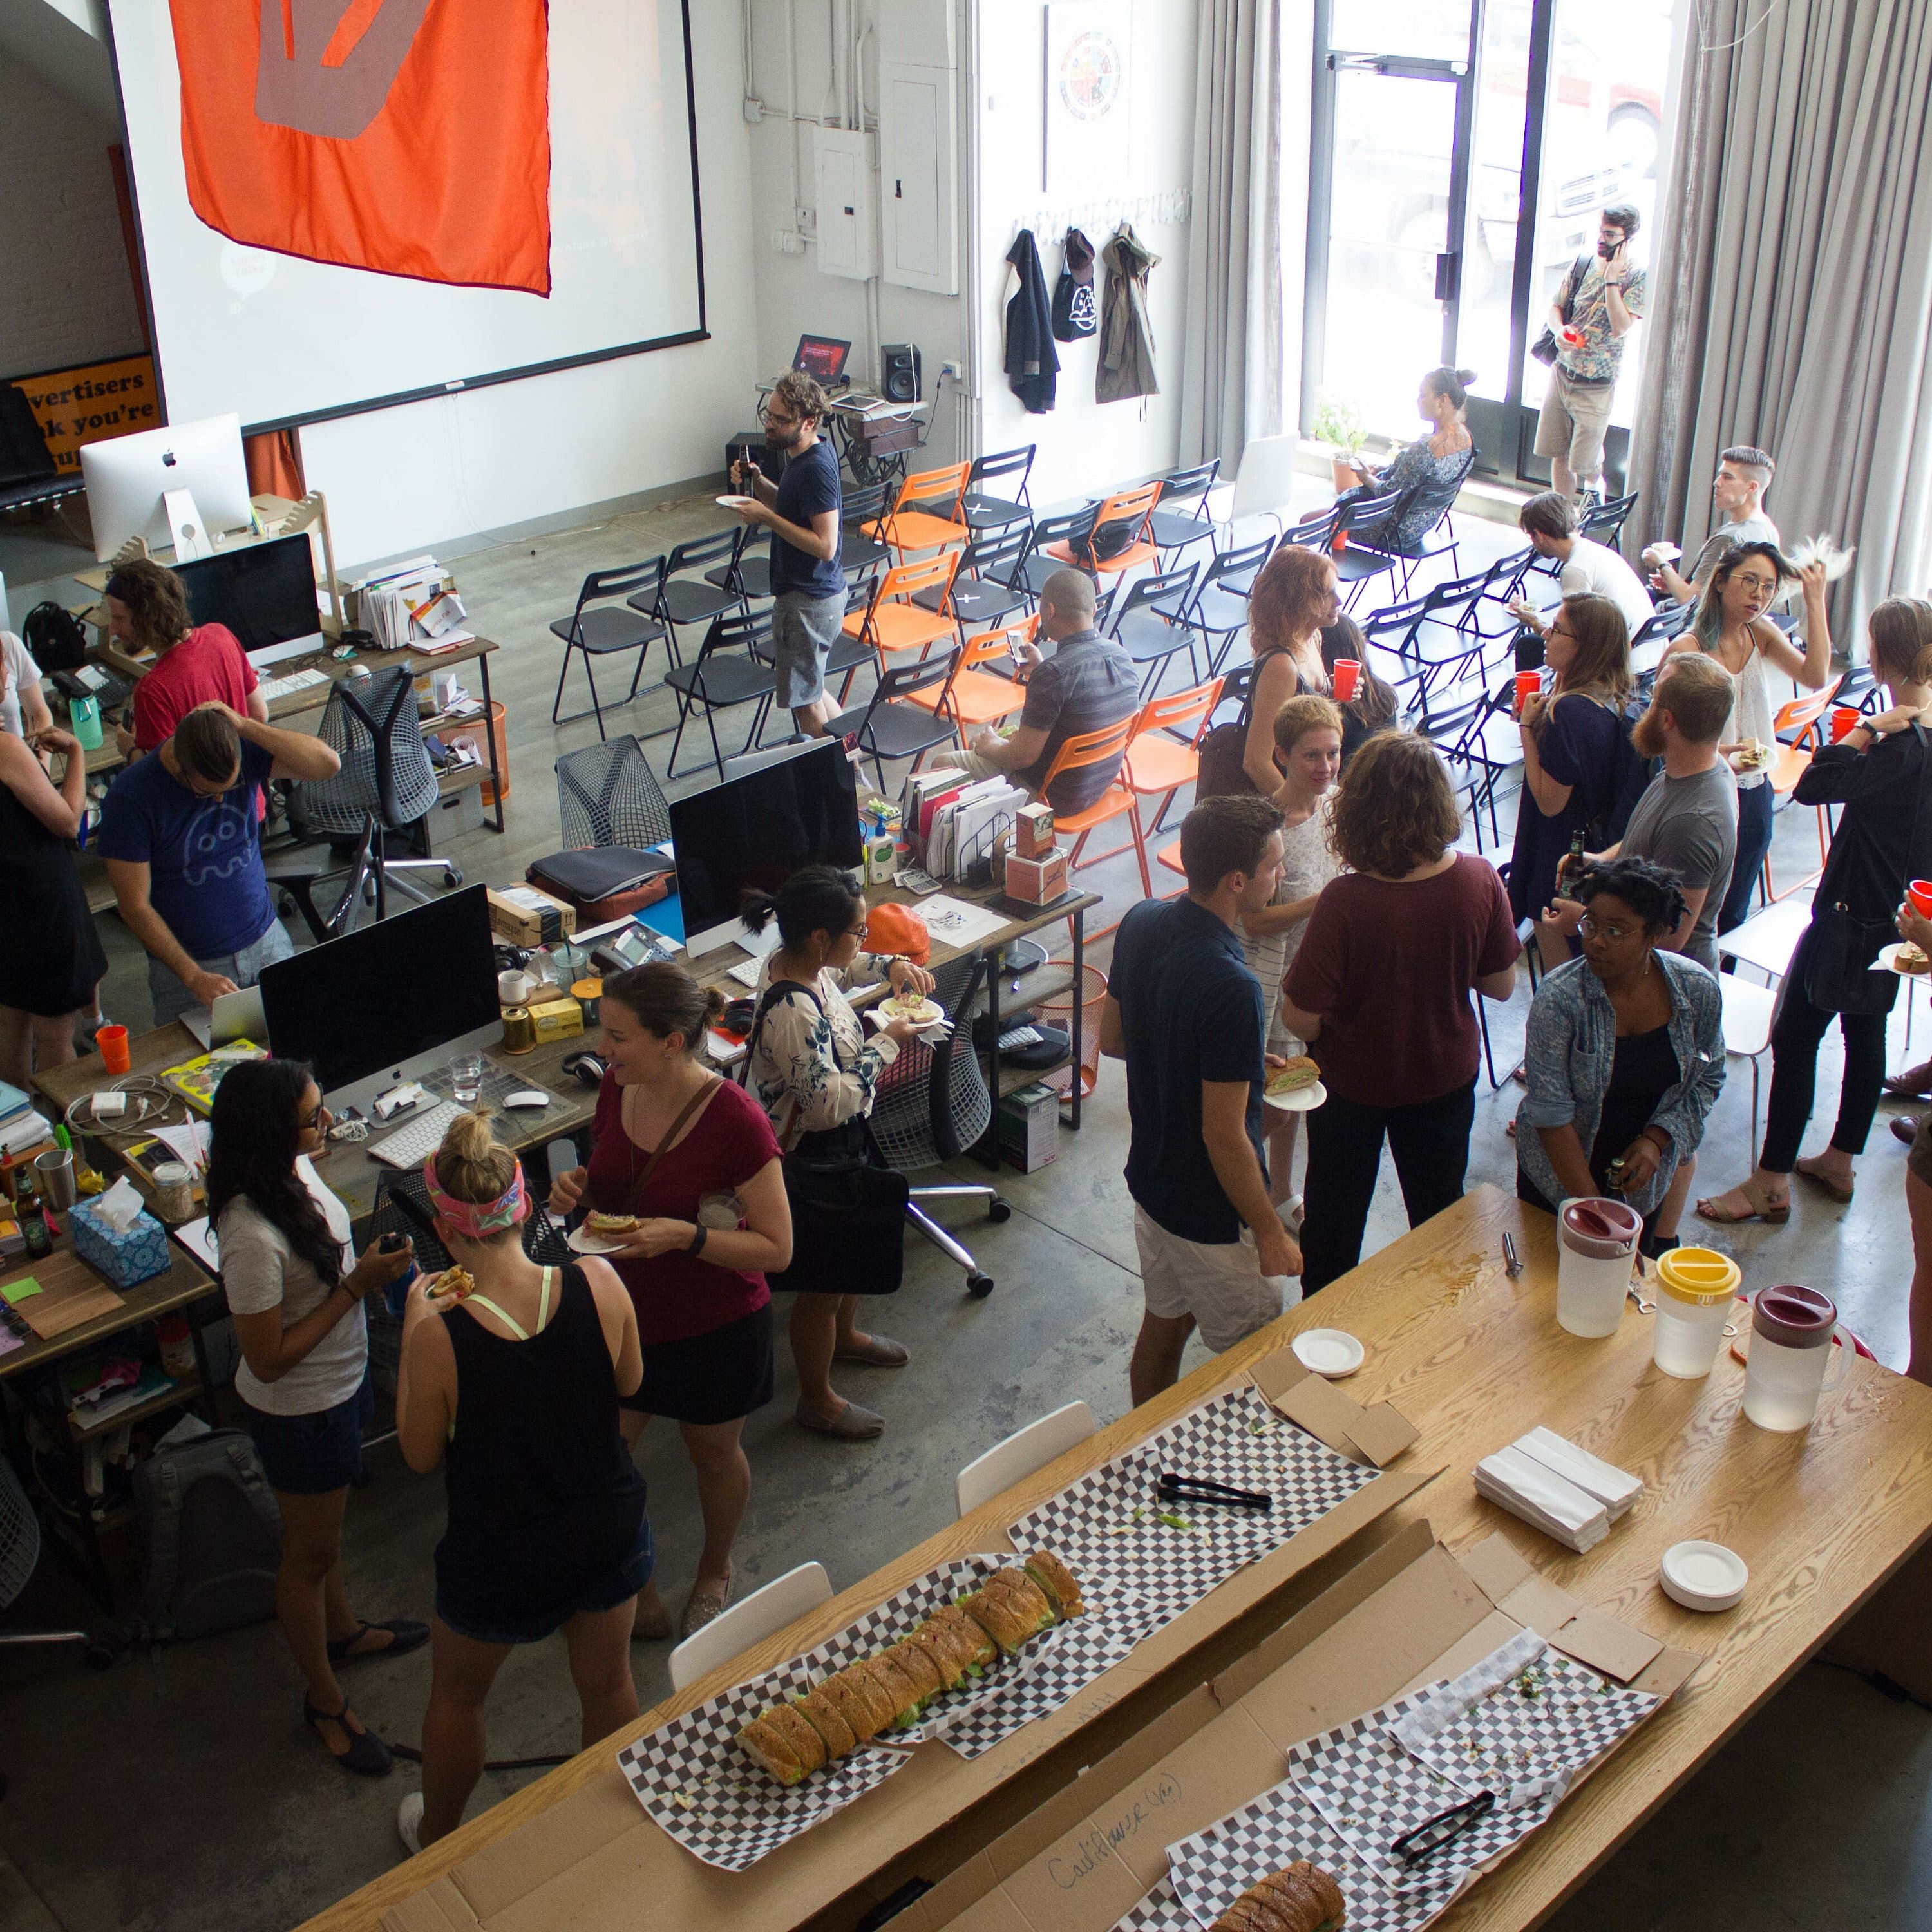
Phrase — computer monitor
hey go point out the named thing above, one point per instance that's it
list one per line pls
(264, 593)
(822, 356)
(751, 832)
(128, 477)
(389, 1003)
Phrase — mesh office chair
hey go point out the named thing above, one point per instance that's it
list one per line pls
(931, 1104)
(607, 795)
(19, 1552)
(387, 785)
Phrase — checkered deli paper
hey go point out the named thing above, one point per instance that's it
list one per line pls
(1108, 1527)
(1160, 1911)
(691, 1778)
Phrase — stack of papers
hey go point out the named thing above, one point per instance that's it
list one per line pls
(1556, 1487)
(958, 822)
(412, 606)
(25, 1130)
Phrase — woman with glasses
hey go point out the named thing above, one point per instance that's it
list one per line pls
(1624, 1055)
(816, 1075)
(295, 1289)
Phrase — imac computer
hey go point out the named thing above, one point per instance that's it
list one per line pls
(391, 1003)
(128, 477)
(751, 832)
(264, 593)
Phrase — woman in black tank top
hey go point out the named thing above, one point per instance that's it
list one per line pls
(511, 1383)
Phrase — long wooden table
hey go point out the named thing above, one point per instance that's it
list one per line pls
(1823, 1519)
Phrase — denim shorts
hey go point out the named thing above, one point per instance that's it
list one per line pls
(172, 997)
(311, 1455)
(626, 1580)
(804, 629)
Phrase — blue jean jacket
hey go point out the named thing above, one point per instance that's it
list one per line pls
(1570, 1046)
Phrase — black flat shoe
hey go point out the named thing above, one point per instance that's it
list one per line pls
(404, 1636)
(367, 1756)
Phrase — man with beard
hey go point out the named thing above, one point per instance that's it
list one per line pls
(802, 511)
(1687, 819)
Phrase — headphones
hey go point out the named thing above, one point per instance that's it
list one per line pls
(589, 1067)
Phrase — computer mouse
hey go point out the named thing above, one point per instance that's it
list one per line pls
(526, 1096)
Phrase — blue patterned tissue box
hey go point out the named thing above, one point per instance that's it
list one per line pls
(139, 1254)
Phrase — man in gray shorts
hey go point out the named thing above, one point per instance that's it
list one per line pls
(802, 511)
(1606, 303)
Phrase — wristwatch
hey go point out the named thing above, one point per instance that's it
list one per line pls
(695, 1246)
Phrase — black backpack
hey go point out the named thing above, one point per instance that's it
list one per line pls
(1074, 314)
(55, 637)
(211, 1537)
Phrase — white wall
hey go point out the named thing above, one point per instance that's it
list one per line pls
(410, 478)
(1083, 445)
(68, 292)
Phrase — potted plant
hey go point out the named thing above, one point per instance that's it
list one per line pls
(1338, 423)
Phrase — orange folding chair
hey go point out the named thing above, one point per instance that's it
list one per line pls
(1097, 748)
(1134, 506)
(891, 621)
(1801, 715)
(974, 697)
(1169, 855)
(1159, 761)
(928, 515)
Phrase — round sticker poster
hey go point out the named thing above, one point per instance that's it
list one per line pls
(1088, 45)
(1090, 76)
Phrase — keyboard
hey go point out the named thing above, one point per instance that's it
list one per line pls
(273, 687)
(411, 1145)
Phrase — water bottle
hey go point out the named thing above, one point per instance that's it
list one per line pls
(396, 1296)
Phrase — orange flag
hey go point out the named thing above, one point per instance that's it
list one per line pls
(410, 137)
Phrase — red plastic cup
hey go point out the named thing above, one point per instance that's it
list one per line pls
(1920, 893)
(112, 1042)
(1528, 684)
(1348, 675)
(1844, 721)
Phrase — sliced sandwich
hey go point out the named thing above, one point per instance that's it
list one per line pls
(1299, 1071)
(771, 1750)
(823, 1715)
(1300, 1898)
(1025, 1595)
(920, 1667)
(454, 1284)
(977, 1648)
(1058, 1582)
(608, 1227)
(855, 1706)
(1007, 1624)
(945, 1650)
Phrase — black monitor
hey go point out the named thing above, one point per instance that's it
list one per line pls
(264, 593)
(408, 989)
(751, 832)
(822, 357)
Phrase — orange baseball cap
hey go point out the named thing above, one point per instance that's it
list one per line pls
(899, 931)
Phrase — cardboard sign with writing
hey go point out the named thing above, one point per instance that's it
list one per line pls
(92, 403)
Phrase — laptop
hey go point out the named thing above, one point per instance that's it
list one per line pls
(822, 357)
(234, 1016)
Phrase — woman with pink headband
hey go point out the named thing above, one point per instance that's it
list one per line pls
(511, 1382)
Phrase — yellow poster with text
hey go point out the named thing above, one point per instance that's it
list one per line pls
(89, 404)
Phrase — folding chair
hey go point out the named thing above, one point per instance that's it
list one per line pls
(860, 556)
(726, 672)
(889, 725)
(1134, 508)
(749, 574)
(1480, 738)
(973, 697)
(1793, 724)
(1175, 526)
(1359, 563)
(606, 631)
(1318, 533)
(1159, 760)
(906, 526)
(1050, 547)
(1151, 625)
(1604, 523)
(984, 591)
(1105, 746)
(1220, 610)
(1439, 539)
(681, 600)
(984, 512)
(892, 621)
(1502, 585)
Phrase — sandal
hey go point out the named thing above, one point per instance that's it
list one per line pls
(1713, 1209)
(367, 1756)
(879, 1352)
(703, 1606)
(1840, 1194)
(852, 1423)
(404, 1636)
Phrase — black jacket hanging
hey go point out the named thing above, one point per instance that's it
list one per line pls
(1033, 363)
(1074, 314)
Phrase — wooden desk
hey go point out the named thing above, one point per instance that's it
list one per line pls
(1474, 1359)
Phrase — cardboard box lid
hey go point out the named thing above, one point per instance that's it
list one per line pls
(1375, 1435)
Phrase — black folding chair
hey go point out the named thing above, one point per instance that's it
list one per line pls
(681, 599)
(985, 511)
(984, 591)
(726, 672)
(888, 727)
(1360, 563)
(1151, 626)
(860, 556)
(1180, 517)
(1604, 523)
(749, 574)
(1074, 528)
(1220, 610)
(1480, 740)
(600, 629)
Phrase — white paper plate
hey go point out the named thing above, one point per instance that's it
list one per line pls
(1703, 1575)
(737, 502)
(1888, 959)
(1331, 1352)
(1302, 1100)
(582, 1241)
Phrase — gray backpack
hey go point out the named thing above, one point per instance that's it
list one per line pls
(211, 1537)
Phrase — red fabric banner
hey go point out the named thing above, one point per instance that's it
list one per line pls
(409, 137)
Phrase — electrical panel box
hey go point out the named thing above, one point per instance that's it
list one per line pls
(919, 174)
(848, 204)
(918, 33)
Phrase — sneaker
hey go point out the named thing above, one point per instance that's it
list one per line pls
(1291, 1212)
(409, 1822)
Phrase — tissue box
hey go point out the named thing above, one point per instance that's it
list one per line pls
(1037, 881)
(139, 1254)
(1033, 831)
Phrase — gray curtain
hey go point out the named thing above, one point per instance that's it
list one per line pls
(1791, 288)
(1231, 375)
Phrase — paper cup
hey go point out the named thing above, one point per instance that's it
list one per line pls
(1920, 893)
(1348, 675)
(1528, 684)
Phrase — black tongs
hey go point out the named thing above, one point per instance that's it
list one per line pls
(1432, 1833)
(1178, 1489)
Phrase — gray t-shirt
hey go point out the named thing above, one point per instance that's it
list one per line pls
(1690, 825)
(1087, 684)
(260, 1271)
(1759, 529)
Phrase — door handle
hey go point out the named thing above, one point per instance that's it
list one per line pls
(1448, 275)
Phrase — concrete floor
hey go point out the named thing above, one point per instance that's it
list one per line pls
(179, 1790)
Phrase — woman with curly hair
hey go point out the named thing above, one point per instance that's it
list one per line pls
(1380, 990)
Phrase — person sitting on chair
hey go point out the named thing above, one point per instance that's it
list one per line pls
(1429, 472)
(1586, 569)
(1087, 684)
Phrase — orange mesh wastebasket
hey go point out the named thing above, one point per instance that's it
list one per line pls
(1092, 994)
(471, 733)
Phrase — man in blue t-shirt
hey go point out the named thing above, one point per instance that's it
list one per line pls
(1184, 1011)
(183, 845)
(802, 511)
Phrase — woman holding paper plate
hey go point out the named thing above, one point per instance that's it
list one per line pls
(816, 1075)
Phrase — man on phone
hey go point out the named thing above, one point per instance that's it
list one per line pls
(1605, 302)
(802, 511)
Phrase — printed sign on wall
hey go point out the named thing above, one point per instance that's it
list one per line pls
(1087, 105)
(90, 404)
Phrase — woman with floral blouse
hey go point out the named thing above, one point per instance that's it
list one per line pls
(816, 1074)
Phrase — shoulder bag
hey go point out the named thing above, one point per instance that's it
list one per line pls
(1223, 750)
(847, 1206)
(1546, 348)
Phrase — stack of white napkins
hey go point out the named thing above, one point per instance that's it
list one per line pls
(1560, 1490)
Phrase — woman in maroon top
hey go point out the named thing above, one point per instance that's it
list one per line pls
(693, 1157)
(1380, 990)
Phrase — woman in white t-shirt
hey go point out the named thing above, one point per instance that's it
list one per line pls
(295, 1288)
(23, 704)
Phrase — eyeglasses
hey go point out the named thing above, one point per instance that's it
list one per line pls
(1592, 929)
(313, 1118)
(857, 932)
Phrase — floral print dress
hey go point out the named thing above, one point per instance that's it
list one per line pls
(811, 1070)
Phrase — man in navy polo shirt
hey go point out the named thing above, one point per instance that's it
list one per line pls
(1185, 1012)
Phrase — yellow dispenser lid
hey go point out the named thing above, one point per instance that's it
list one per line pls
(1698, 1277)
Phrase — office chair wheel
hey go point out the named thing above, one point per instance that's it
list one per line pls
(99, 1657)
(452, 877)
(979, 1286)
(999, 1209)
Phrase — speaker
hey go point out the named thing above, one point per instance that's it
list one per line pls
(902, 371)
